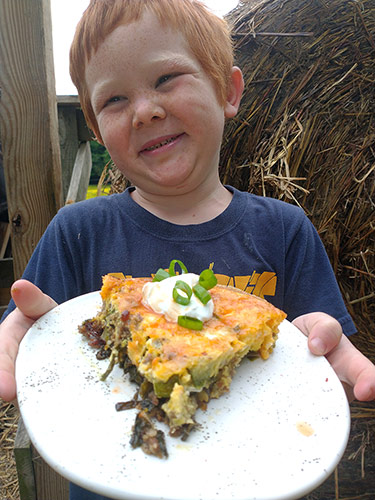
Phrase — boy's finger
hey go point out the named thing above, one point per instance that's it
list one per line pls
(7, 383)
(359, 371)
(364, 389)
(12, 330)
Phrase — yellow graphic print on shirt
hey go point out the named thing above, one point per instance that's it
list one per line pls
(261, 285)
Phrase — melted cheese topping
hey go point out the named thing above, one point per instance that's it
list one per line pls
(158, 296)
(160, 348)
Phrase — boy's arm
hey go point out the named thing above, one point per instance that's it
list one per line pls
(356, 372)
(31, 303)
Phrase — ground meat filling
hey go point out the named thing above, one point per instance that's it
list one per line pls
(144, 433)
(146, 436)
(92, 329)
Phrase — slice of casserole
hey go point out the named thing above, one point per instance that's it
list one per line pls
(177, 368)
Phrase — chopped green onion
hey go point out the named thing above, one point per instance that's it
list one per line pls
(183, 300)
(202, 294)
(161, 275)
(207, 279)
(189, 322)
(172, 266)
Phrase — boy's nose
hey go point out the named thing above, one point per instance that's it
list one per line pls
(147, 111)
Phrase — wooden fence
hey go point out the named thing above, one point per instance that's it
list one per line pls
(46, 162)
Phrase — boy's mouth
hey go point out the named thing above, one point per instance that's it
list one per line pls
(158, 145)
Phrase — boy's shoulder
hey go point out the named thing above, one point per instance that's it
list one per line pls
(93, 205)
(267, 206)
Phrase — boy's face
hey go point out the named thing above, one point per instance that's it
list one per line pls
(156, 108)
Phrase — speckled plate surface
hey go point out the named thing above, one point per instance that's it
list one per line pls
(278, 434)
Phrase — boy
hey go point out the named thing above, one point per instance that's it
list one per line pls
(157, 82)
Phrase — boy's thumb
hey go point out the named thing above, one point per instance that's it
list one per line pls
(30, 300)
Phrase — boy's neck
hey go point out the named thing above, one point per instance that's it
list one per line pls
(190, 208)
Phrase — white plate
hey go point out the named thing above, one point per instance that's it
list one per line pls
(254, 442)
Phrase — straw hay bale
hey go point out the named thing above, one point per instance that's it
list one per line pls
(8, 474)
(305, 132)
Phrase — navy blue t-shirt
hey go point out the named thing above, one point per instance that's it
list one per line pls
(261, 245)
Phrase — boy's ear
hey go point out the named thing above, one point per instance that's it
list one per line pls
(235, 93)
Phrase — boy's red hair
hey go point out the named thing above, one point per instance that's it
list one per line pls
(207, 35)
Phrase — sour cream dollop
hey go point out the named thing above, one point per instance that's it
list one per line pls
(158, 296)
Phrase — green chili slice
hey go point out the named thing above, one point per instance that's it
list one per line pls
(189, 322)
(184, 298)
(202, 294)
(172, 265)
(161, 275)
(207, 279)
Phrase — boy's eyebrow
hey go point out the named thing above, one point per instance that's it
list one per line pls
(175, 60)
(100, 93)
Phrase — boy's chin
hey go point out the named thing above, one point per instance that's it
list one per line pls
(168, 185)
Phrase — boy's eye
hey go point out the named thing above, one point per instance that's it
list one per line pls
(163, 79)
(115, 98)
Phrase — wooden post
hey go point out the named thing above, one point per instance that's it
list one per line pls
(36, 480)
(28, 123)
(73, 131)
(81, 174)
(24, 461)
(69, 142)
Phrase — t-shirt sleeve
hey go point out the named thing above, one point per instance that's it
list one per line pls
(310, 283)
(54, 266)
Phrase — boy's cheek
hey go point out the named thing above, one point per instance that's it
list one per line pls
(109, 133)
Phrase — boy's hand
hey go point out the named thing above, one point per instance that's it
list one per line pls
(356, 372)
(31, 304)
